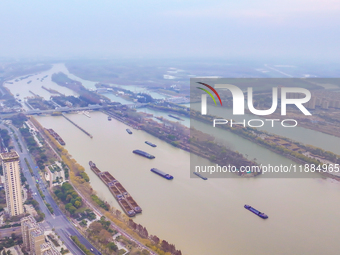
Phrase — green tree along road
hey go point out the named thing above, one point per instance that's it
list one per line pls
(81, 246)
(5, 137)
(69, 197)
(101, 203)
(38, 152)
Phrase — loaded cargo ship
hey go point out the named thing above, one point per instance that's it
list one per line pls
(144, 154)
(55, 136)
(160, 173)
(201, 176)
(123, 198)
(258, 213)
(151, 144)
(129, 131)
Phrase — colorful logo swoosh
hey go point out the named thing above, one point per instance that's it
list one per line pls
(213, 90)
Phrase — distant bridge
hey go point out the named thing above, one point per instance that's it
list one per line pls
(136, 105)
(67, 109)
(178, 100)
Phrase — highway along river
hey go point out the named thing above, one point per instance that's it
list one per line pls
(206, 217)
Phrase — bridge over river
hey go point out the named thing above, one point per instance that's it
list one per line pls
(68, 109)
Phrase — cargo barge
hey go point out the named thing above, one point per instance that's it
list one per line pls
(129, 131)
(201, 176)
(94, 168)
(160, 173)
(151, 144)
(144, 154)
(175, 117)
(258, 213)
(123, 198)
(55, 136)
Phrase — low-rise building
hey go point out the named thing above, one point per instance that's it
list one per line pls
(55, 174)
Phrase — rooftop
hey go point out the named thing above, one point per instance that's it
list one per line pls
(32, 224)
(9, 155)
(49, 249)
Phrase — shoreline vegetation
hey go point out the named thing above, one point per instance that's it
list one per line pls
(78, 178)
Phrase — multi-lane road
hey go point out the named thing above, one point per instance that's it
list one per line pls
(63, 227)
(6, 232)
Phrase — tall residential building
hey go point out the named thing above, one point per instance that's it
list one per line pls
(11, 170)
(318, 101)
(325, 104)
(311, 103)
(32, 235)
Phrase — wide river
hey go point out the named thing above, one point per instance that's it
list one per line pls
(204, 217)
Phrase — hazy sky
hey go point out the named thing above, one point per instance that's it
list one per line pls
(293, 29)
